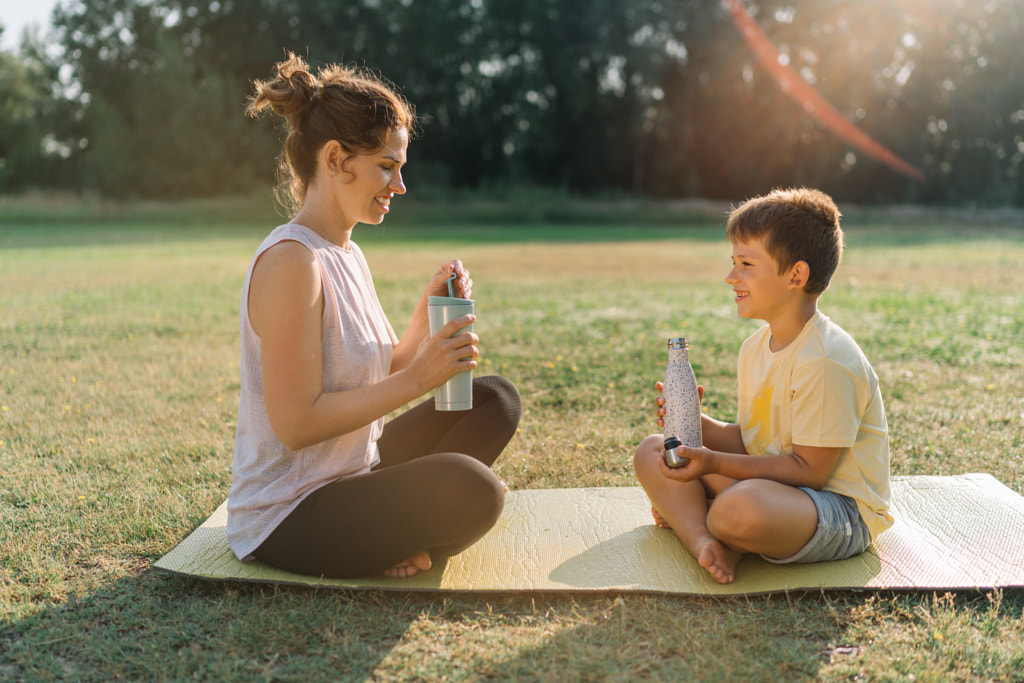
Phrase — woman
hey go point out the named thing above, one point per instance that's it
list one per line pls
(321, 486)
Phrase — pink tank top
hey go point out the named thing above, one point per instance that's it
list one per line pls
(268, 480)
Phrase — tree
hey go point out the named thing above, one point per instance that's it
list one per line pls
(30, 155)
(643, 96)
(162, 107)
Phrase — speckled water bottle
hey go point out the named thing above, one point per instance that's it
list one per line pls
(682, 403)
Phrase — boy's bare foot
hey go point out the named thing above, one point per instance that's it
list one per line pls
(420, 562)
(718, 560)
(659, 520)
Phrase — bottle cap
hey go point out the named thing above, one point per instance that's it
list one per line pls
(678, 343)
(672, 458)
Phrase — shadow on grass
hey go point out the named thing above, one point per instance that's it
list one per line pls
(691, 639)
(161, 627)
(763, 638)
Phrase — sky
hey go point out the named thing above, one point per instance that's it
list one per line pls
(15, 15)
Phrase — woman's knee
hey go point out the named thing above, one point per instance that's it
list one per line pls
(502, 390)
(497, 399)
(467, 484)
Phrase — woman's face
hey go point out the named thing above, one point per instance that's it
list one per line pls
(368, 182)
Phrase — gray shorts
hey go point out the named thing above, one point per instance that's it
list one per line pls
(841, 532)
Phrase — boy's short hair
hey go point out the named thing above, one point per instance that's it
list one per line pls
(797, 224)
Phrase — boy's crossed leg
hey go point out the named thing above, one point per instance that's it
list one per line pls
(719, 520)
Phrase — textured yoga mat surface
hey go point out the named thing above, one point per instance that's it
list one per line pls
(958, 532)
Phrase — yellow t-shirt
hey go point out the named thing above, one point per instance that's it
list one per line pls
(819, 391)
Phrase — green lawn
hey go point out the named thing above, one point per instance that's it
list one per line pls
(118, 394)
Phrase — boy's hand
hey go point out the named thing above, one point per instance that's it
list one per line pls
(701, 461)
(660, 401)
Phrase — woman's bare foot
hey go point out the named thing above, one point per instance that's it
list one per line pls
(717, 559)
(659, 520)
(420, 562)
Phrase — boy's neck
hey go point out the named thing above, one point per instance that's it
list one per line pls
(790, 322)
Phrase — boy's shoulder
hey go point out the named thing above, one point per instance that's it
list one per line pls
(831, 333)
(821, 339)
(820, 332)
(835, 344)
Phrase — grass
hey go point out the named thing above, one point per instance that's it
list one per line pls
(118, 393)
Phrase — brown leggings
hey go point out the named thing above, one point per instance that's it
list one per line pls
(432, 490)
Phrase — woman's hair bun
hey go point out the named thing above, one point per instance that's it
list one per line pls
(290, 93)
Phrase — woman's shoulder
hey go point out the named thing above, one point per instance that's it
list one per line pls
(288, 232)
(284, 257)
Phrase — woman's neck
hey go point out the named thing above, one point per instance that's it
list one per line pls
(318, 218)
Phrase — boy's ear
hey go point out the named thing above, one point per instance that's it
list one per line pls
(799, 274)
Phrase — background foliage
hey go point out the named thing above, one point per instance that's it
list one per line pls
(144, 98)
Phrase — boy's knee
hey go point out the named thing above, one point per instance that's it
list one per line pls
(645, 459)
(737, 513)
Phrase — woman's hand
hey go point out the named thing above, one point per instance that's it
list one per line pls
(660, 401)
(418, 332)
(441, 355)
(462, 287)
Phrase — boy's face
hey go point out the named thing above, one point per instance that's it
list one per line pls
(761, 291)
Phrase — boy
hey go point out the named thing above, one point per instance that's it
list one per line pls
(804, 474)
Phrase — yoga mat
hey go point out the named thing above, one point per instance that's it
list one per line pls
(962, 532)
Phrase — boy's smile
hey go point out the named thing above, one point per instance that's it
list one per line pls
(763, 293)
(756, 281)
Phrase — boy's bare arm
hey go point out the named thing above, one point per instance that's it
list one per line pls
(809, 466)
(715, 434)
(725, 437)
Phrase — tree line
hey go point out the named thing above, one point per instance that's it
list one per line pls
(661, 98)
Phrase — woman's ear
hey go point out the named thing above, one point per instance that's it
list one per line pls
(331, 157)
